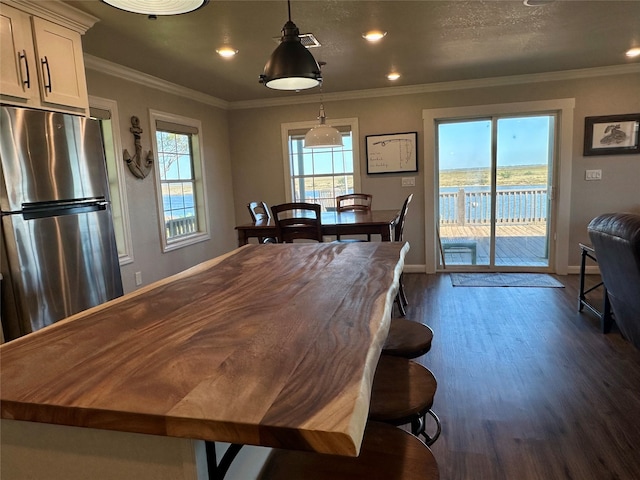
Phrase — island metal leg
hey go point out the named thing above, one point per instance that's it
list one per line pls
(217, 471)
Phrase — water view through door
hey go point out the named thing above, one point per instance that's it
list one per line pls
(494, 177)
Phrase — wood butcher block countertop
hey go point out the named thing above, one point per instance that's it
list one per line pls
(272, 345)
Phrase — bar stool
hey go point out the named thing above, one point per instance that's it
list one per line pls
(403, 393)
(407, 339)
(604, 314)
(387, 452)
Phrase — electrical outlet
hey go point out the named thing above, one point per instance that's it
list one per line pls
(593, 175)
(138, 278)
(408, 181)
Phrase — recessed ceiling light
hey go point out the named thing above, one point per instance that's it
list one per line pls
(393, 76)
(536, 3)
(226, 51)
(374, 35)
(633, 52)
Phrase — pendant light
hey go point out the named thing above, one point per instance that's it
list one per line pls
(322, 135)
(291, 66)
(157, 7)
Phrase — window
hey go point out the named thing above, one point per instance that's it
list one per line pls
(181, 200)
(319, 175)
(106, 111)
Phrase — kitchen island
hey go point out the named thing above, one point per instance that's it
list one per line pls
(270, 345)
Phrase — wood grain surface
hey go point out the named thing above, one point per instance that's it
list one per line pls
(272, 345)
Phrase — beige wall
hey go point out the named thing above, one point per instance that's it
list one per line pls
(136, 99)
(257, 164)
(243, 158)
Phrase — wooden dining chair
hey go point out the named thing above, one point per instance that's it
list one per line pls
(260, 213)
(354, 202)
(402, 393)
(387, 452)
(401, 297)
(297, 220)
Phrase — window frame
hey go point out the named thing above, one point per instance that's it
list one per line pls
(201, 207)
(113, 157)
(288, 129)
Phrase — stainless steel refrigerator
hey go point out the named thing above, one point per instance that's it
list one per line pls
(58, 252)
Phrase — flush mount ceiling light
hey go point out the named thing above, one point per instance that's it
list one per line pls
(157, 7)
(536, 3)
(393, 76)
(322, 135)
(291, 66)
(374, 35)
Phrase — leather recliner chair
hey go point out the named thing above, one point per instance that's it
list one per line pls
(616, 240)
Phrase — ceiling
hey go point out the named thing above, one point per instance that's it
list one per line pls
(427, 41)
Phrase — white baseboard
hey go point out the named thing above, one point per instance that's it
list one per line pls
(589, 270)
(414, 268)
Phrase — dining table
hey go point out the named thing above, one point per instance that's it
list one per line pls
(372, 222)
(272, 345)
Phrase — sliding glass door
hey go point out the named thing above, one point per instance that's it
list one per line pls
(494, 182)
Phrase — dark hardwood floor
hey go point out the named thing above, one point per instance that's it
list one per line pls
(528, 388)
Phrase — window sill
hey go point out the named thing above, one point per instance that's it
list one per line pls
(185, 241)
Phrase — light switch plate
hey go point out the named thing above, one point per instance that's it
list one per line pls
(593, 175)
(408, 181)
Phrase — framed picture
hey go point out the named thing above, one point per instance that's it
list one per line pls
(392, 153)
(612, 134)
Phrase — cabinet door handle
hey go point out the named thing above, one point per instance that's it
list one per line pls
(23, 56)
(45, 63)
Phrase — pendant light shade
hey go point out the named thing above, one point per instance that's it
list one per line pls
(291, 66)
(322, 135)
(157, 7)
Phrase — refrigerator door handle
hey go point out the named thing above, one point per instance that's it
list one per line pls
(66, 208)
(64, 203)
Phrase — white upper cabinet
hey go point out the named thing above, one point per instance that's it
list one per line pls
(41, 63)
(17, 63)
(60, 64)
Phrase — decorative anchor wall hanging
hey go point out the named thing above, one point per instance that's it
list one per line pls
(135, 163)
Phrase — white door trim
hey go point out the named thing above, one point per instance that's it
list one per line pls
(564, 148)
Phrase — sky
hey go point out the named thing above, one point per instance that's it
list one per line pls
(521, 141)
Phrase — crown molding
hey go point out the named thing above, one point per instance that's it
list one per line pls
(135, 76)
(56, 12)
(125, 73)
(443, 86)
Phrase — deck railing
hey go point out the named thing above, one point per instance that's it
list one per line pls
(525, 205)
(181, 226)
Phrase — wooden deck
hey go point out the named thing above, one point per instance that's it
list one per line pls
(516, 245)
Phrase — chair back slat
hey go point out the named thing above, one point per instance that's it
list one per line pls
(354, 202)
